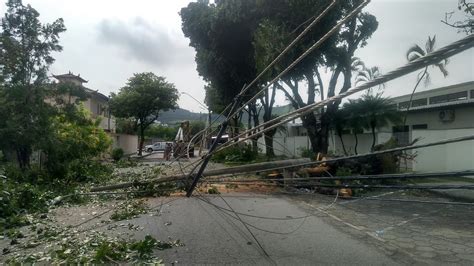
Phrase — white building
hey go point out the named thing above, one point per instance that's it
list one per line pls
(97, 104)
(437, 114)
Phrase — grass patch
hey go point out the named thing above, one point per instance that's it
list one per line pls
(213, 190)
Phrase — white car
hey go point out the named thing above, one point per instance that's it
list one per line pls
(158, 146)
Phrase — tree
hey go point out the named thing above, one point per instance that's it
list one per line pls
(25, 55)
(339, 124)
(222, 35)
(467, 24)
(415, 52)
(142, 99)
(333, 55)
(376, 112)
(368, 74)
(78, 139)
(167, 133)
(354, 120)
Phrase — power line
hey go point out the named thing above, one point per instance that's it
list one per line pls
(429, 59)
(251, 168)
(355, 177)
(308, 51)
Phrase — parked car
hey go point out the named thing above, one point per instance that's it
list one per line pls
(158, 146)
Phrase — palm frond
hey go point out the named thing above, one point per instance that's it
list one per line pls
(430, 44)
(364, 75)
(414, 53)
(360, 80)
(357, 64)
(427, 79)
(442, 68)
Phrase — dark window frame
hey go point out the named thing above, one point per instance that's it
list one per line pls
(419, 126)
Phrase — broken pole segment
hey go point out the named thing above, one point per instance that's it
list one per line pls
(244, 169)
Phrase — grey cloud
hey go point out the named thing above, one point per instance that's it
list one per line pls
(144, 42)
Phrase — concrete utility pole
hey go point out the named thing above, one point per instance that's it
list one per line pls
(204, 138)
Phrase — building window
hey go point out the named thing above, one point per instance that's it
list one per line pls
(404, 105)
(419, 102)
(472, 94)
(420, 126)
(398, 129)
(458, 96)
(401, 134)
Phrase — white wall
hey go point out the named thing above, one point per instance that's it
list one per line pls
(289, 146)
(449, 157)
(128, 143)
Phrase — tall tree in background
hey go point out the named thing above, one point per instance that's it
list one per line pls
(222, 35)
(377, 111)
(143, 98)
(236, 39)
(465, 25)
(355, 120)
(25, 56)
(334, 55)
(415, 52)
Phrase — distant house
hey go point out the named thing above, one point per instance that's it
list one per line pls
(98, 105)
(436, 114)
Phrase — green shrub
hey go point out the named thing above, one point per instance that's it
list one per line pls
(343, 171)
(235, 154)
(307, 153)
(117, 154)
(213, 190)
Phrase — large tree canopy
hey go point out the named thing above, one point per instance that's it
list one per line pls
(143, 98)
(25, 56)
(334, 56)
(235, 40)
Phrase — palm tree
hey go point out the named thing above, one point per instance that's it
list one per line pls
(363, 73)
(368, 74)
(338, 124)
(354, 119)
(376, 112)
(415, 52)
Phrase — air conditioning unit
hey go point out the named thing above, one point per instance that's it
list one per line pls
(446, 115)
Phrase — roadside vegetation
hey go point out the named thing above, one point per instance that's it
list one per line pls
(52, 150)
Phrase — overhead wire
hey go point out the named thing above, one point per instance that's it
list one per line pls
(308, 51)
(285, 51)
(429, 59)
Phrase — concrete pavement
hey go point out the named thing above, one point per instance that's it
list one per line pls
(212, 237)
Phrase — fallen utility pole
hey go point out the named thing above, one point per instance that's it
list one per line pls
(355, 177)
(394, 150)
(249, 168)
(392, 186)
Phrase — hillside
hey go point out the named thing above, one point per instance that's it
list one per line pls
(178, 115)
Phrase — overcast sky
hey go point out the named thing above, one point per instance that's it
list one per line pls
(109, 40)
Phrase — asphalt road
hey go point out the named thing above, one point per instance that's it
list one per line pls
(212, 237)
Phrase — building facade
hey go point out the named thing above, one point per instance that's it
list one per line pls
(97, 105)
(434, 115)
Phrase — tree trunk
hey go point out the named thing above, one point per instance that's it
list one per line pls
(269, 145)
(323, 140)
(339, 134)
(142, 140)
(23, 155)
(412, 93)
(373, 137)
(356, 143)
(256, 122)
(310, 124)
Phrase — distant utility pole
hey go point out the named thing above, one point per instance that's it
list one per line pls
(204, 141)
